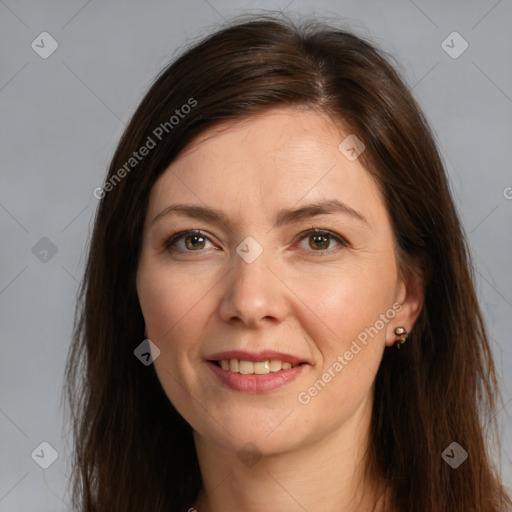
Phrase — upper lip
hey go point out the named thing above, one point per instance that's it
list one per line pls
(262, 355)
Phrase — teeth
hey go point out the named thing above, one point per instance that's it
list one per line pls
(246, 367)
(258, 368)
(275, 365)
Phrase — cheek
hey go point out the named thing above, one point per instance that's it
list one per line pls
(174, 306)
(168, 299)
(352, 309)
(348, 300)
(175, 309)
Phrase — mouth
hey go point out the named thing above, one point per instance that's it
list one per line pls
(246, 367)
(260, 372)
(256, 372)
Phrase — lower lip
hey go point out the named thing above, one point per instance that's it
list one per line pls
(256, 383)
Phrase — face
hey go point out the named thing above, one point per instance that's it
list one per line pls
(266, 280)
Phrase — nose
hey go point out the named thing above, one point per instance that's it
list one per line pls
(255, 295)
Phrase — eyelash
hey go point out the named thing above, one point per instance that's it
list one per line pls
(169, 244)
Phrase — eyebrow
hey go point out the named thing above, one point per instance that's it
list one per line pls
(285, 216)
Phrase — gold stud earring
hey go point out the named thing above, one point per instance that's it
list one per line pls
(402, 336)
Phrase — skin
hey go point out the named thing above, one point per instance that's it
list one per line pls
(303, 296)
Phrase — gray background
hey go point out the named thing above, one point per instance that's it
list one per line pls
(62, 117)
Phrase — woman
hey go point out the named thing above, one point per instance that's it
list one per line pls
(278, 311)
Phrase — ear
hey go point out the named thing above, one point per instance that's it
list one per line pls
(408, 304)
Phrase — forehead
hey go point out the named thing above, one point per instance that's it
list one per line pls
(277, 158)
(274, 130)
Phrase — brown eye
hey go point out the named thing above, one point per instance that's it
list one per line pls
(193, 241)
(320, 240)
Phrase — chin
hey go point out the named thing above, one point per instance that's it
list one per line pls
(259, 436)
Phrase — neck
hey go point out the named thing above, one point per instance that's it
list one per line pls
(326, 474)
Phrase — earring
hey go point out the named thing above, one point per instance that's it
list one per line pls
(402, 336)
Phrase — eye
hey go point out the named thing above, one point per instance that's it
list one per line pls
(194, 241)
(319, 240)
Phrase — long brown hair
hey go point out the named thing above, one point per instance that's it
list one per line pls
(133, 451)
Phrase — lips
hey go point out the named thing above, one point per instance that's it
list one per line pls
(255, 372)
(264, 355)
